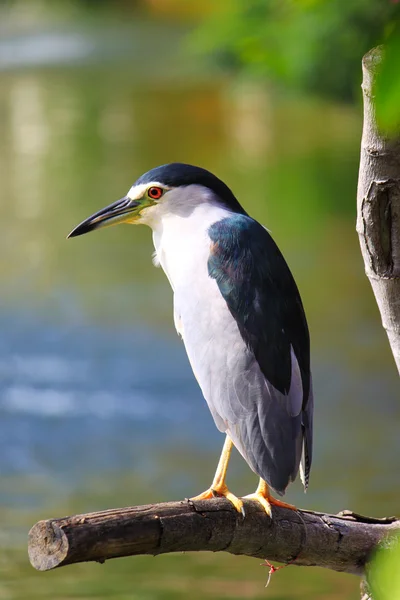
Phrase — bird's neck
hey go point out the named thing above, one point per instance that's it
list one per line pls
(182, 243)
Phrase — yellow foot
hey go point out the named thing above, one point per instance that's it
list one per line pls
(277, 502)
(267, 501)
(222, 492)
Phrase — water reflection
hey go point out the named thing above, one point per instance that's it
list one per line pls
(93, 381)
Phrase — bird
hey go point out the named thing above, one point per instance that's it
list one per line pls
(239, 313)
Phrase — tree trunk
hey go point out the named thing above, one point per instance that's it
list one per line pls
(378, 208)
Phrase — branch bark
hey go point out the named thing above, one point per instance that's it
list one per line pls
(378, 208)
(342, 542)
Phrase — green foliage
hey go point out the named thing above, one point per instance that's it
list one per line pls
(312, 45)
(388, 85)
(384, 574)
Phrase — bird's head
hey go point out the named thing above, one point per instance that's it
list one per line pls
(168, 188)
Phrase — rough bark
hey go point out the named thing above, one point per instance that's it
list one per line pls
(378, 208)
(342, 542)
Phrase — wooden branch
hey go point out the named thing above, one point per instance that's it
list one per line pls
(342, 542)
(378, 208)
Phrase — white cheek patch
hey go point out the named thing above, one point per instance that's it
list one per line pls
(137, 191)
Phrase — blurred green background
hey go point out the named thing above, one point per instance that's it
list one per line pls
(98, 405)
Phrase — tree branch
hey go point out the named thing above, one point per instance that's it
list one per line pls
(378, 208)
(342, 542)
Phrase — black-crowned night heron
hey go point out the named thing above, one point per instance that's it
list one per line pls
(239, 312)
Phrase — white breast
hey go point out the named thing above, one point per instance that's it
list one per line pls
(183, 250)
(181, 240)
(201, 316)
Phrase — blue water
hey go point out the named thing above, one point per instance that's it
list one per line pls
(80, 399)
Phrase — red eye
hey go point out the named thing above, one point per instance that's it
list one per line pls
(155, 192)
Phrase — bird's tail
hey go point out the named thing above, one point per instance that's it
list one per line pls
(307, 427)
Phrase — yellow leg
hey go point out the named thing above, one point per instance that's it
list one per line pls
(262, 496)
(218, 486)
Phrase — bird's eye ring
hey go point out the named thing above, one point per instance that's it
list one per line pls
(155, 192)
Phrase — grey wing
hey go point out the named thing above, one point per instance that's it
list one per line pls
(265, 425)
(270, 435)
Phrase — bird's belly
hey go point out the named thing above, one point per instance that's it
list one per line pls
(217, 353)
(225, 369)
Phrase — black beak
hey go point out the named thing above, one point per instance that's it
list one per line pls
(111, 215)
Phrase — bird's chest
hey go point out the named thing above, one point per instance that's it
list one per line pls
(183, 257)
(182, 249)
(182, 243)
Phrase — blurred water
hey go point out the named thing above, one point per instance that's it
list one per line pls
(67, 391)
(94, 384)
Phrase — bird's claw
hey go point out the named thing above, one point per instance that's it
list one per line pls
(222, 491)
(261, 500)
(268, 501)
